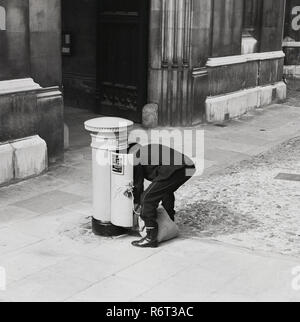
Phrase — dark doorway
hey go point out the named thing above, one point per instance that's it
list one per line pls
(122, 58)
(79, 48)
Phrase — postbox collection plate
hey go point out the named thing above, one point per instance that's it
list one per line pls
(117, 163)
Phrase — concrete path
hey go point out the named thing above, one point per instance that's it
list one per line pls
(49, 253)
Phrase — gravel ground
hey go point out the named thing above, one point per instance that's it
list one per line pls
(245, 205)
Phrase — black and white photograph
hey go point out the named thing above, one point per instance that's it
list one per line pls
(149, 154)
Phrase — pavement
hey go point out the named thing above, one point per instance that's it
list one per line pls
(50, 254)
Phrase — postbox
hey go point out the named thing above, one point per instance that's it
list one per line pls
(112, 175)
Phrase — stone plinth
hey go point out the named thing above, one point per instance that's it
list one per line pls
(6, 163)
(30, 157)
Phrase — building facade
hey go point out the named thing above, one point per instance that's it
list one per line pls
(194, 61)
(291, 41)
(30, 72)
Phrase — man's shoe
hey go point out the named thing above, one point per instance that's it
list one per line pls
(145, 243)
(150, 241)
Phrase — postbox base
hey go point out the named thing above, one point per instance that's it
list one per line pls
(106, 229)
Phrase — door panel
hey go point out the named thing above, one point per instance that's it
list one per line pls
(122, 57)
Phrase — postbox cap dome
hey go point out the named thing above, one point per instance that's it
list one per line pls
(108, 124)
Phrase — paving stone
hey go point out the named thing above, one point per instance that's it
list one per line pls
(228, 145)
(48, 202)
(24, 263)
(269, 285)
(118, 252)
(85, 268)
(11, 240)
(9, 215)
(45, 286)
(82, 189)
(160, 267)
(45, 227)
(113, 289)
(193, 284)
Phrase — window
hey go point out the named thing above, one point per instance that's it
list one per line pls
(251, 26)
(2, 18)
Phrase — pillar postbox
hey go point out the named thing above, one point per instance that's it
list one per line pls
(112, 175)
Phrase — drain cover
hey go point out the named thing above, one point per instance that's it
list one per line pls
(288, 177)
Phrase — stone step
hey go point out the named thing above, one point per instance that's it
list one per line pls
(22, 159)
(6, 163)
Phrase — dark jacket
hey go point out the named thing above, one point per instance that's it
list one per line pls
(155, 162)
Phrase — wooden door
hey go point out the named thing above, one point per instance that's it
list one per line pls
(122, 58)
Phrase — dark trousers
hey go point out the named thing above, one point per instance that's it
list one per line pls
(161, 191)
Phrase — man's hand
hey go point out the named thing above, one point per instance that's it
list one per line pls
(137, 208)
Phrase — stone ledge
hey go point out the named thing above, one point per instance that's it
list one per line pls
(6, 163)
(234, 105)
(294, 44)
(22, 159)
(291, 71)
(242, 59)
(18, 85)
(30, 157)
(34, 112)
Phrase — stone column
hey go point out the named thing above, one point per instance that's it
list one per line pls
(14, 39)
(272, 25)
(45, 42)
(175, 59)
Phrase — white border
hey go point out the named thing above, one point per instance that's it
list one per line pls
(241, 59)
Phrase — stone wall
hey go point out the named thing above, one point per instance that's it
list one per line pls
(14, 40)
(30, 43)
(184, 34)
(31, 49)
(239, 84)
(31, 112)
(45, 42)
(244, 71)
(179, 47)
